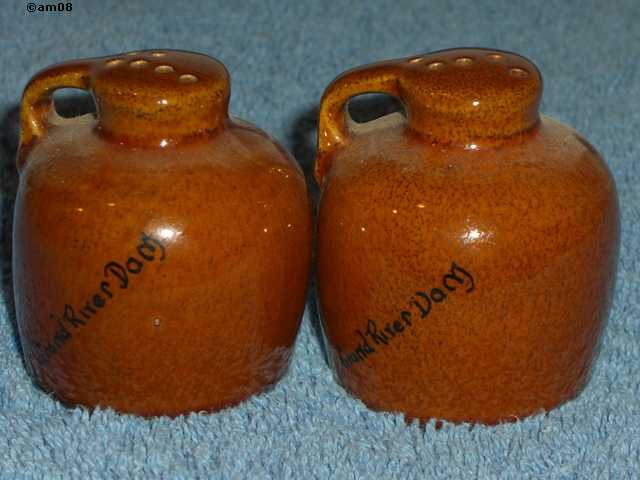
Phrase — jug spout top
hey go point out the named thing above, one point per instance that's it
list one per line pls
(462, 95)
(159, 95)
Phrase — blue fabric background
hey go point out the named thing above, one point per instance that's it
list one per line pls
(281, 55)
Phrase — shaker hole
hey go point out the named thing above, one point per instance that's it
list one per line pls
(369, 106)
(115, 62)
(416, 60)
(496, 57)
(158, 54)
(187, 78)
(435, 65)
(73, 102)
(164, 69)
(138, 63)
(518, 72)
(464, 61)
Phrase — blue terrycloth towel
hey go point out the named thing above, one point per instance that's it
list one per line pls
(281, 55)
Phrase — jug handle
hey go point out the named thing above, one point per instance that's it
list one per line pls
(37, 100)
(333, 130)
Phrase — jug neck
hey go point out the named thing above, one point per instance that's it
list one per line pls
(145, 99)
(460, 97)
(159, 97)
(471, 96)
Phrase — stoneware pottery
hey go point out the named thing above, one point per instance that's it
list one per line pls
(466, 252)
(161, 249)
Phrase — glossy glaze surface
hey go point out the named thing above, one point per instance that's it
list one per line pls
(463, 274)
(160, 267)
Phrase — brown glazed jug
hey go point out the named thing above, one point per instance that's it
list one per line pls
(466, 252)
(161, 248)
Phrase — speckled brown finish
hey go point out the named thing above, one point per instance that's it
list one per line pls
(161, 250)
(466, 257)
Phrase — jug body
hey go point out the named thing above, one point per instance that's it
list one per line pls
(158, 269)
(461, 276)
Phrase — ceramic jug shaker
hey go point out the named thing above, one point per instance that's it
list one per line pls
(161, 248)
(467, 253)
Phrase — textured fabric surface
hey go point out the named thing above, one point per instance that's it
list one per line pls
(281, 55)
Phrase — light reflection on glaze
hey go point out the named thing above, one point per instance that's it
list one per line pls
(168, 233)
(475, 235)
